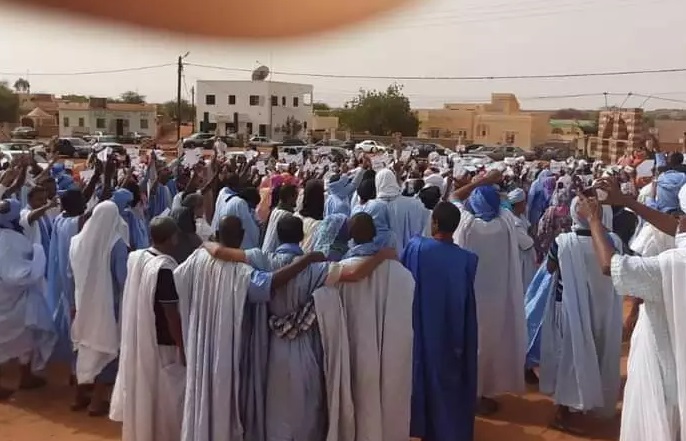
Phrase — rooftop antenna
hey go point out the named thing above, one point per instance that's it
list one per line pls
(260, 74)
(628, 95)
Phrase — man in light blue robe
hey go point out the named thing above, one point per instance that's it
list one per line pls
(340, 190)
(243, 206)
(444, 383)
(379, 212)
(134, 215)
(160, 198)
(60, 293)
(295, 400)
(408, 216)
(229, 189)
(26, 331)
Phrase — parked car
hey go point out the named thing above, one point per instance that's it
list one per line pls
(73, 147)
(24, 133)
(292, 142)
(260, 141)
(370, 146)
(115, 146)
(10, 155)
(133, 138)
(203, 140)
(423, 150)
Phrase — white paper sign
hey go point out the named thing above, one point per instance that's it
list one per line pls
(250, 154)
(261, 167)
(557, 166)
(192, 157)
(104, 153)
(69, 165)
(378, 163)
(87, 175)
(132, 151)
(645, 169)
(405, 155)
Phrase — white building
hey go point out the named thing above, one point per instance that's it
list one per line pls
(265, 108)
(98, 115)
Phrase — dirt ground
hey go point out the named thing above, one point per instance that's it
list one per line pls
(44, 415)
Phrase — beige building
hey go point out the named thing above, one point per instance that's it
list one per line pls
(499, 122)
(671, 134)
(97, 115)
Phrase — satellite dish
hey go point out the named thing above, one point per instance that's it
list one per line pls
(260, 74)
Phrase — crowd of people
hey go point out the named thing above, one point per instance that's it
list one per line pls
(248, 297)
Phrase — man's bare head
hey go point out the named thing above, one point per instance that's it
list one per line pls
(230, 232)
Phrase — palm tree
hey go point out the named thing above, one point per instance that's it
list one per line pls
(22, 85)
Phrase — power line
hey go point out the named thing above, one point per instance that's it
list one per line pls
(456, 78)
(92, 72)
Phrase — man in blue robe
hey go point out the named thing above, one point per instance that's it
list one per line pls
(26, 331)
(444, 383)
(241, 205)
(60, 279)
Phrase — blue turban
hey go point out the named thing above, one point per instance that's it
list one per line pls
(667, 195)
(122, 198)
(10, 219)
(484, 202)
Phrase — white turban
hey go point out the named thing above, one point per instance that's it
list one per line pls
(515, 196)
(434, 180)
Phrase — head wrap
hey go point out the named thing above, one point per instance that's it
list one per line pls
(122, 198)
(484, 202)
(184, 218)
(516, 196)
(669, 184)
(578, 223)
(10, 219)
(386, 184)
(338, 187)
(434, 180)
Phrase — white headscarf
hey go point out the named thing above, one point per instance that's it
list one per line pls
(434, 180)
(95, 332)
(386, 184)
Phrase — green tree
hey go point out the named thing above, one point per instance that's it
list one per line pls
(22, 85)
(380, 113)
(75, 98)
(131, 97)
(9, 104)
(321, 109)
(169, 108)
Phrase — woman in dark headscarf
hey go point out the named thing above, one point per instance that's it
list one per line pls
(312, 211)
(188, 239)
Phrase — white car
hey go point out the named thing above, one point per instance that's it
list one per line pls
(370, 146)
(260, 141)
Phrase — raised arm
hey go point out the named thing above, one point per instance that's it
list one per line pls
(492, 177)
(590, 209)
(662, 221)
(36, 214)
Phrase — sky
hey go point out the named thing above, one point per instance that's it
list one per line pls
(432, 38)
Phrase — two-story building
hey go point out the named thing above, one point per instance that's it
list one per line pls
(264, 108)
(98, 115)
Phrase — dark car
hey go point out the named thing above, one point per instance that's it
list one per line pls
(133, 138)
(292, 142)
(73, 147)
(24, 133)
(201, 139)
(423, 150)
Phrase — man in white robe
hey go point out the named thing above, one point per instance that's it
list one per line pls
(654, 397)
(26, 329)
(148, 393)
(581, 340)
(213, 297)
(367, 339)
(527, 252)
(492, 235)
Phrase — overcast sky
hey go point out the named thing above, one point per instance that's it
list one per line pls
(434, 38)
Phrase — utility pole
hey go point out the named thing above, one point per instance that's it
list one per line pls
(178, 98)
(178, 95)
(193, 108)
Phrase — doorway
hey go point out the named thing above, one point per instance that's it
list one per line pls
(119, 127)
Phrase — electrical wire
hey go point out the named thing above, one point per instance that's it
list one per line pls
(456, 78)
(93, 72)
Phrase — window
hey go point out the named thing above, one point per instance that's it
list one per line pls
(510, 137)
(254, 100)
(65, 121)
(100, 123)
(209, 100)
(304, 125)
(144, 123)
(283, 101)
(482, 130)
(232, 100)
(275, 101)
(248, 128)
(82, 122)
(434, 133)
(262, 129)
(295, 101)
